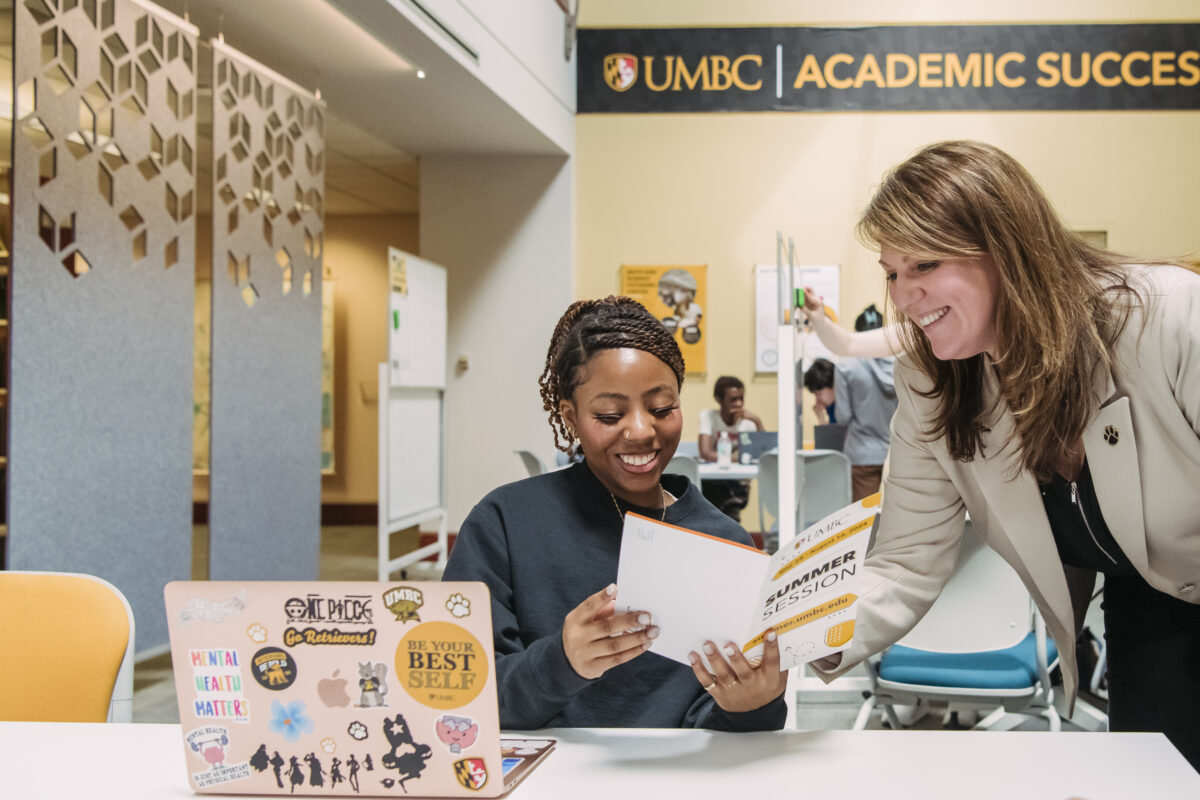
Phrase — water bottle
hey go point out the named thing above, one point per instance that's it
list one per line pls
(724, 449)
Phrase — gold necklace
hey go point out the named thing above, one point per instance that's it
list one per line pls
(621, 516)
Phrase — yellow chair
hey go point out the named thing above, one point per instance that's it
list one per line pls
(67, 643)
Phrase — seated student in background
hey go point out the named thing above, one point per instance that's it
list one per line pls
(866, 398)
(818, 379)
(732, 418)
(547, 547)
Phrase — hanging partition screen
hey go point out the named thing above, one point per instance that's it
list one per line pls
(103, 273)
(265, 465)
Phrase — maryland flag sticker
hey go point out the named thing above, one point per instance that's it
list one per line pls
(471, 773)
(620, 71)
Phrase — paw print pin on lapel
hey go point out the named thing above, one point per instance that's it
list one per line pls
(1111, 435)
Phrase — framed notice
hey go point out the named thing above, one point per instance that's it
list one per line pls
(678, 297)
(824, 281)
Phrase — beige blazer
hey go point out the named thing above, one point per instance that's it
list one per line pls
(1143, 449)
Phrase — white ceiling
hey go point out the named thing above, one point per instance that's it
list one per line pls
(381, 116)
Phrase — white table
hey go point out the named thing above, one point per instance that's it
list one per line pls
(710, 471)
(65, 761)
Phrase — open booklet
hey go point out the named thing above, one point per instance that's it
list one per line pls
(699, 588)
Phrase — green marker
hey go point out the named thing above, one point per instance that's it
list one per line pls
(799, 298)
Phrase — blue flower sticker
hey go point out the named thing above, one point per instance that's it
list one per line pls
(290, 720)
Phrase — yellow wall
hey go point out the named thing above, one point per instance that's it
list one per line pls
(356, 251)
(714, 188)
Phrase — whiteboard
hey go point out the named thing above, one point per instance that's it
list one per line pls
(414, 451)
(823, 279)
(416, 321)
(411, 388)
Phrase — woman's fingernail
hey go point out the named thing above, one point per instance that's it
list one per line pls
(611, 589)
(708, 648)
(643, 618)
(730, 649)
(692, 657)
(771, 636)
(652, 633)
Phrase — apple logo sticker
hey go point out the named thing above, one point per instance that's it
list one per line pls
(332, 691)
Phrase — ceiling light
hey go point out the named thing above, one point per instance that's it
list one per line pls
(420, 73)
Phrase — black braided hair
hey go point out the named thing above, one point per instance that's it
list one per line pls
(586, 328)
(724, 384)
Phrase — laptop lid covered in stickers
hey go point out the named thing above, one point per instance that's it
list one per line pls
(340, 688)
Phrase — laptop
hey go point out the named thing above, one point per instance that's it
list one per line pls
(755, 443)
(341, 689)
(829, 437)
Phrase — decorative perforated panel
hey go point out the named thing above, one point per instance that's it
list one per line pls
(86, 76)
(268, 180)
(102, 287)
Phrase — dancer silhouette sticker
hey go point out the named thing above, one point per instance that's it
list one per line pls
(407, 757)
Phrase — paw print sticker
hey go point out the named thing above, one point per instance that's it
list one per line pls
(1111, 434)
(257, 633)
(357, 730)
(458, 605)
(328, 745)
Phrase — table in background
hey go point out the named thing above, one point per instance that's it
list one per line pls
(65, 761)
(711, 471)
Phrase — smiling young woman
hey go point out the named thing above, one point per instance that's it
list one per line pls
(548, 546)
(626, 417)
(1052, 390)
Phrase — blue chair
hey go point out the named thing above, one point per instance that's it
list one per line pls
(533, 464)
(981, 646)
(822, 487)
(827, 487)
(686, 466)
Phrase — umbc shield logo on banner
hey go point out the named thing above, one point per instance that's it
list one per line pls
(620, 71)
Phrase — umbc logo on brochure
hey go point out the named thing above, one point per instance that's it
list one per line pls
(890, 68)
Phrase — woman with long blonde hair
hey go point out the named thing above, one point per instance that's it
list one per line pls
(1052, 390)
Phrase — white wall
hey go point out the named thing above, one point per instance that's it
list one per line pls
(504, 229)
(520, 56)
(533, 32)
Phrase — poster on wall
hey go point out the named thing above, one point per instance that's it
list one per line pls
(823, 279)
(678, 297)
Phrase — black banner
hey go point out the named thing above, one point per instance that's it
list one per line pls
(892, 68)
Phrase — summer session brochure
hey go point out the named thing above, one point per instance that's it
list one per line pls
(698, 587)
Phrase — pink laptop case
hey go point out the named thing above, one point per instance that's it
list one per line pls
(337, 688)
